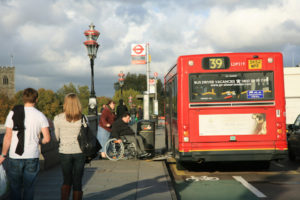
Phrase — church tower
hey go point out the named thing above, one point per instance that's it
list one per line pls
(7, 81)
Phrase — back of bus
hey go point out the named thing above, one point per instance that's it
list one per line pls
(231, 107)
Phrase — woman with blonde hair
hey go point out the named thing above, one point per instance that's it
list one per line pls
(67, 127)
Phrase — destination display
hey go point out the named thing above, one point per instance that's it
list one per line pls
(215, 63)
(235, 86)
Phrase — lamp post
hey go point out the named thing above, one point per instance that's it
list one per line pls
(121, 81)
(92, 48)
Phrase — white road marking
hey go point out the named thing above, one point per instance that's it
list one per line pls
(249, 186)
(202, 178)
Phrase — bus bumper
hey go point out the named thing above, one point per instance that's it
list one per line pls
(236, 155)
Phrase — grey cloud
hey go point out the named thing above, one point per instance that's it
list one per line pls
(132, 13)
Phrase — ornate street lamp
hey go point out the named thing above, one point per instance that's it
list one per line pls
(92, 48)
(121, 81)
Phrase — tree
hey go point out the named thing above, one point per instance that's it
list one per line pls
(135, 82)
(6, 105)
(48, 103)
(139, 84)
(82, 92)
(125, 97)
(102, 101)
(18, 98)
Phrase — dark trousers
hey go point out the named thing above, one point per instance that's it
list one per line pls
(72, 168)
(138, 141)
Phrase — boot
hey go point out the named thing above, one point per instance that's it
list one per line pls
(77, 195)
(65, 192)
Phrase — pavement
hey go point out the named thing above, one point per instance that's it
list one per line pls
(123, 179)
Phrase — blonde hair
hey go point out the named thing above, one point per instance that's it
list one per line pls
(72, 107)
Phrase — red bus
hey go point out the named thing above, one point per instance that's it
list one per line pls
(226, 107)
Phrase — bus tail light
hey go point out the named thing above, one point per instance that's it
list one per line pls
(279, 128)
(186, 134)
(186, 139)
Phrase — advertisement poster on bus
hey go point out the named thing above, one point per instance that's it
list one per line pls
(231, 86)
(232, 124)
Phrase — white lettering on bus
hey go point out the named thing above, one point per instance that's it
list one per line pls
(238, 64)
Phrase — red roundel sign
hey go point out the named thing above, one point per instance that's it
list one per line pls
(138, 50)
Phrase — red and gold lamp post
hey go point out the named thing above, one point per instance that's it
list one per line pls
(121, 81)
(92, 48)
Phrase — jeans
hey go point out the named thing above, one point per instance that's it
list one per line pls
(72, 168)
(22, 173)
(102, 136)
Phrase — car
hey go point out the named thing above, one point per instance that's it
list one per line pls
(294, 139)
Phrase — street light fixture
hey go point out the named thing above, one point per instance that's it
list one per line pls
(92, 48)
(121, 81)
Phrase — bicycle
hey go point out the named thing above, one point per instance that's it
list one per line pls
(116, 150)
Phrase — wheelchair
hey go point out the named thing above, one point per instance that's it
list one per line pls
(116, 150)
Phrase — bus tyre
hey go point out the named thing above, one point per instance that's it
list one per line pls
(265, 165)
(292, 155)
(179, 165)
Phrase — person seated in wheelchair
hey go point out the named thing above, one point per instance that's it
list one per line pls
(121, 129)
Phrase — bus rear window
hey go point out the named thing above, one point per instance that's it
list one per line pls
(234, 86)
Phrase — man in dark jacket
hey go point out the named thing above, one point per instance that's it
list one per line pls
(120, 128)
(121, 108)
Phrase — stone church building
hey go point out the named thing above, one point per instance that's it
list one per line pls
(7, 81)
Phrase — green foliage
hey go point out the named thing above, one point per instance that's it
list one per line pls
(125, 97)
(18, 98)
(82, 92)
(6, 105)
(102, 101)
(135, 82)
(139, 83)
(48, 103)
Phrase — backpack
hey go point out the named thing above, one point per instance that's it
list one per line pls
(88, 142)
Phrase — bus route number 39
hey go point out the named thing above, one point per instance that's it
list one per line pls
(216, 63)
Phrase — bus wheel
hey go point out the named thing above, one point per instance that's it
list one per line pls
(292, 155)
(265, 164)
(179, 165)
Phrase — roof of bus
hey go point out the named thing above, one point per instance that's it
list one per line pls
(220, 54)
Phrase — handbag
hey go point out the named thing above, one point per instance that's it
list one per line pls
(88, 142)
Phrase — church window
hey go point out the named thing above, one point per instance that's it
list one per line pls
(5, 80)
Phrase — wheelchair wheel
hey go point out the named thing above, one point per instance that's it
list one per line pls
(130, 151)
(114, 150)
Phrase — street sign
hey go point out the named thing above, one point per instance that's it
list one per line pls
(138, 54)
(138, 49)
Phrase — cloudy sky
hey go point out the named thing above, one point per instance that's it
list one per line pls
(46, 37)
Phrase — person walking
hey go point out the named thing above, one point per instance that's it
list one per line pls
(106, 120)
(67, 127)
(140, 113)
(121, 108)
(133, 112)
(24, 124)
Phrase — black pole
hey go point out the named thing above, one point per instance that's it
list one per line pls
(92, 78)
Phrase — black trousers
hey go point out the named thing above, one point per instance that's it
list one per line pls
(72, 169)
(138, 141)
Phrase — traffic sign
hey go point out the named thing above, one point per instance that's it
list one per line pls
(138, 50)
(138, 54)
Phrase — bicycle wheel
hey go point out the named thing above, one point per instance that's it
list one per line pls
(114, 150)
